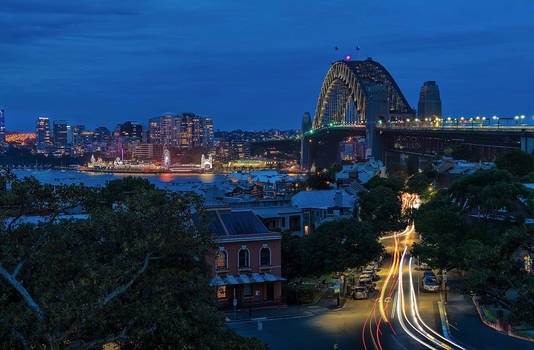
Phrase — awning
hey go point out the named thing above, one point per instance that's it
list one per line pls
(217, 281)
(230, 280)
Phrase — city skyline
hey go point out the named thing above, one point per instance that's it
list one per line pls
(91, 63)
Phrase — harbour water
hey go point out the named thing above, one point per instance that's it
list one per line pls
(68, 177)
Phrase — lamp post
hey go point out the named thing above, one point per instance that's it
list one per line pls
(522, 117)
(495, 118)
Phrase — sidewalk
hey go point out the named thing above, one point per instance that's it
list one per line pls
(467, 328)
(325, 304)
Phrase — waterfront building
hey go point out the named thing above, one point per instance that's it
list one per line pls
(2, 126)
(246, 264)
(43, 139)
(429, 106)
(148, 151)
(320, 206)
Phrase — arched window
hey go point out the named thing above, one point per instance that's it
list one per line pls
(244, 259)
(222, 260)
(265, 256)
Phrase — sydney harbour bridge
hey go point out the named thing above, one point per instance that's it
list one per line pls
(361, 99)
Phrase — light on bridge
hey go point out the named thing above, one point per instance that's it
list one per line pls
(348, 57)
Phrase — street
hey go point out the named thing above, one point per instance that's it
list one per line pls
(399, 315)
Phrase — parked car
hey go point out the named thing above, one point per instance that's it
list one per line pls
(430, 284)
(360, 293)
(429, 273)
(365, 279)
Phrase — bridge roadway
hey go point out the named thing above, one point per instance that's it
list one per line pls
(486, 142)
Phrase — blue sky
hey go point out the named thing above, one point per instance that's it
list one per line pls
(253, 64)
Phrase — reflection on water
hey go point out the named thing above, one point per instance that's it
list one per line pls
(68, 177)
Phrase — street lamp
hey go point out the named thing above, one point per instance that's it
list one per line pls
(496, 119)
(522, 117)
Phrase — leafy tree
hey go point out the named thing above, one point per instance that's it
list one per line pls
(322, 179)
(477, 226)
(517, 162)
(381, 206)
(333, 246)
(131, 272)
(337, 245)
(293, 256)
(419, 184)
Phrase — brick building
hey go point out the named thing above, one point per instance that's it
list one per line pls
(246, 265)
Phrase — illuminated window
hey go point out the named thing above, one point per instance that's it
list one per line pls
(221, 292)
(244, 259)
(222, 261)
(265, 256)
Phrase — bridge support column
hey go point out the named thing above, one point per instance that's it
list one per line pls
(377, 107)
(527, 144)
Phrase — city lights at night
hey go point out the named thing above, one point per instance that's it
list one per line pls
(266, 175)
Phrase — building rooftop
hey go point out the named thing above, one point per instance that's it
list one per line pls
(323, 199)
(229, 223)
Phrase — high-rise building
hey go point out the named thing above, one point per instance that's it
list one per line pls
(43, 138)
(102, 134)
(60, 133)
(2, 126)
(153, 130)
(184, 131)
(208, 133)
(166, 132)
(130, 129)
(429, 101)
(76, 134)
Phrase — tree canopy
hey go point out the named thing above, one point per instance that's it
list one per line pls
(478, 226)
(322, 179)
(333, 246)
(517, 162)
(381, 205)
(131, 270)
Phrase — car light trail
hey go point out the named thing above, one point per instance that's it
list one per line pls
(415, 327)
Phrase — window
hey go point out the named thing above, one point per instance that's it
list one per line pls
(265, 256)
(244, 259)
(221, 292)
(247, 291)
(221, 261)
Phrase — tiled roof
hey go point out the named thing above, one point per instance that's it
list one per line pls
(235, 223)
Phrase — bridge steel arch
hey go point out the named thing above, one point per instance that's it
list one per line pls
(350, 83)
(353, 96)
